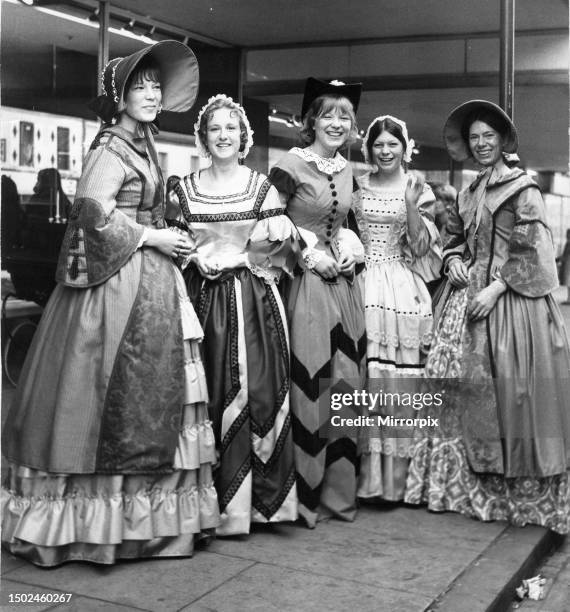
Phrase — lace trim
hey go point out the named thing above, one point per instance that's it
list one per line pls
(269, 276)
(324, 164)
(394, 340)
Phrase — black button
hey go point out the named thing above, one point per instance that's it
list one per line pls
(332, 185)
(333, 194)
(329, 177)
(335, 202)
(329, 226)
(329, 233)
(327, 242)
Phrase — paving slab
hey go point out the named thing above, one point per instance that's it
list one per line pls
(11, 590)
(403, 523)
(162, 585)
(265, 588)
(342, 552)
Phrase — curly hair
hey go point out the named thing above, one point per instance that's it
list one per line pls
(207, 116)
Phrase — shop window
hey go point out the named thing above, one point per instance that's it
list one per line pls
(26, 143)
(63, 148)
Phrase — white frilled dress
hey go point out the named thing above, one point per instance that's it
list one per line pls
(108, 438)
(399, 321)
(246, 347)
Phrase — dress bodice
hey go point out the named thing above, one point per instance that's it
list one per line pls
(319, 193)
(385, 217)
(223, 225)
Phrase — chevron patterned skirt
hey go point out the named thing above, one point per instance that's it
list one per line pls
(246, 359)
(328, 345)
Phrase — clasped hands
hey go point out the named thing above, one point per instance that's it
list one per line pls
(212, 267)
(329, 269)
(484, 301)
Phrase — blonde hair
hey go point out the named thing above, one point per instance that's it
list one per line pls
(325, 104)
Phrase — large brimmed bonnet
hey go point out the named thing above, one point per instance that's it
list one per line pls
(179, 78)
(456, 145)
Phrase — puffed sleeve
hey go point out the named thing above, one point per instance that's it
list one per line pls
(282, 178)
(424, 253)
(99, 238)
(530, 268)
(274, 242)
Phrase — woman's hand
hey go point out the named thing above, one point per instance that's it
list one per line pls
(346, 263)
(207, 267)
(169, 242)
(482, 304)
(327, 267)
(457, 273)
(414, 189)
(229, 261)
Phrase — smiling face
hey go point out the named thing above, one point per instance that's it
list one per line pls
(333, 126)
(486, 143)
(223, 134)
(387, 152)
(143, 99)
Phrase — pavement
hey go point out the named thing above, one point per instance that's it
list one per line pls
(393, 558)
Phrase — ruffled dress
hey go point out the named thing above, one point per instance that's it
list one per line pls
(501, 450)
(246, 347)
(399, 324)
(108, 439)
(328, 341)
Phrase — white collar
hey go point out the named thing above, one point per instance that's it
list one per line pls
(328, 165)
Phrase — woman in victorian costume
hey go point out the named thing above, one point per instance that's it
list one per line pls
(403, 252)
(324, 303)
(109, 445)
(243, 241)
(502, 447)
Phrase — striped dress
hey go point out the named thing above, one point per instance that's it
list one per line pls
(246, 347)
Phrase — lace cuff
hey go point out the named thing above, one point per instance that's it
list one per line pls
(311, 257)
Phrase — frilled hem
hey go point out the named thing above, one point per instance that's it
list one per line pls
(196, 446)
(52, 511)
(383, 470)
(191, 328)
(107, 554)
(440, 476)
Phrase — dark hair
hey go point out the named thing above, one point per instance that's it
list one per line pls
(322, 105)
(207, 115)
(146, 70)
(392, 128)
(486, 116)
(172, 180)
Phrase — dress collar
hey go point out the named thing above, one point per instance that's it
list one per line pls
(138, 140)
(328, 165)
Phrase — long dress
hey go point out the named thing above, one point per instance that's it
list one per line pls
(502, 447)
(328, 341)
(108, 439)
(399, 323)
(246, 348)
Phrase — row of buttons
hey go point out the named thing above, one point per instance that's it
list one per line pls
(333, 211)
